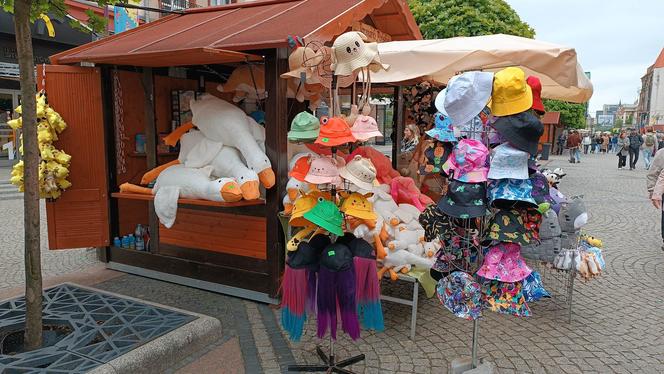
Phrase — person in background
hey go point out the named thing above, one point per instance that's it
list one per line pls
(562, 141)
(411, 137)
(649, 148)
(660, 141)
(598, 142)
(655, 186)
(573, 144)
(622, 149)
(586, 142)
(593, 143)
(614, 143)
(635, 143)
(605, 143)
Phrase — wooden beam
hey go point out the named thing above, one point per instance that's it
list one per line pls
(151, 151)
(276, 147)
(109, 134)
(398, 123)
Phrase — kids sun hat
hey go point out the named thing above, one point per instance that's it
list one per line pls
(508, 163)
(467, 163)
(511, 93)
(352, 52)
(504, 263)
(365, 128)
(326, 215)
(443, 130)
(334, 132)
(322, 170)
(465, 96)
(536, 88)
(461, 295)
(304, 127)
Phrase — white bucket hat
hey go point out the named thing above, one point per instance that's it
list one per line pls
(465, 96)
(360, 171)
(508, 163)
(351, 52)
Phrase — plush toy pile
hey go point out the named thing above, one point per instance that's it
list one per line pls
(223, 159)
(53, 163)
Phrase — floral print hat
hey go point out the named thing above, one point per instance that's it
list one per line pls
(508, 226)
(464, 200)
(460, 294)
(504, 263)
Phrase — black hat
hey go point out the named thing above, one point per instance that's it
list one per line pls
(305, 257)
(436, 224)
(336, 257)
(508, 226)
(320, 241)
(522, 131)
(464, 200)
(361, 248)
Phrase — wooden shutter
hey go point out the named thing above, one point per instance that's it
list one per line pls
(80, 217)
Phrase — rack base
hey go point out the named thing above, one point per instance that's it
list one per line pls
(329, 365)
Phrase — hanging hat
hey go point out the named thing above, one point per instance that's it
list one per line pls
(360, 171)
(302, 204)
(532, 219)
(351, 53)
(464, 200)
(305, 257)
(443, 130)
(326, 215)
(511, 193)
(436, 224)
(508, 163)
(322, 170)
(540, 191)
(511, 93)
(465, 96)
(436, 154)
(323, 72)
(357, 205)
(522, 131)
(304, 127)
(533, 289)
(301, 168)
(536, 88)
(505, 298)
(503, 262)
(457, 252)
(336, 257)
(508, 226)
(365, 128)
(361, 248)
(300, 61)
(334, 132)
(467, 163)
(461, 295)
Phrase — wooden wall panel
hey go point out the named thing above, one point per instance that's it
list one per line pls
(217, 232)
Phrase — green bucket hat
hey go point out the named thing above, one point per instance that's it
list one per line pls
(326, 215)
(305, 127)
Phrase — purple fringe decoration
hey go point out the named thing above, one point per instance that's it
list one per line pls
(327, 303)
(312, 286)
(345, 285)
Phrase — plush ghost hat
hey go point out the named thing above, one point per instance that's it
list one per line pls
(351, 53)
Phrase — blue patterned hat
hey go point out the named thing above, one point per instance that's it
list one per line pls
(464, 200)
(443, 130)
(461, 295)
(511, 193)
(508, 162)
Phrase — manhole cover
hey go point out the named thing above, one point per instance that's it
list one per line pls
(89, 329)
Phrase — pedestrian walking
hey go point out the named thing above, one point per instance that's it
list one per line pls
(655, 185)
(614, 143)
(635, 142)
(574, 144)
(562, 142)
(586, 142)
(593, 143)
(649, 148)
(622, 150)
(605, 143)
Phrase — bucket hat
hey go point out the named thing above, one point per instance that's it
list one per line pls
(322, 170)
(301, 168)
(302, 204)
(323, 71)
(508, 163)
(361, 248)
(359, 171)
(435, 155)
(365, 128)
(540, 192)
(511, 93)
(443, 130)
(536, 88)
(532, 219)
(464, 200)
(505, 298)
(503, 262)
(436, 224)
(334, 132)
(352, 51)
(456, 253)
(461, 295)
(304, 127)
(357, 205)
(522, 131)
(467, 163)
(305, 257)
(465, 96)
(511, 193)
(508, 226)
(325, 214)
(533, 289)
(300, 61)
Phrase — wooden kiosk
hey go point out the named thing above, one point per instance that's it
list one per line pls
(110, 90)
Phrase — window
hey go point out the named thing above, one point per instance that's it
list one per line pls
(219, 2)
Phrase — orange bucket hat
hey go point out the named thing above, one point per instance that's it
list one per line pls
(301, 168)
(334, 132)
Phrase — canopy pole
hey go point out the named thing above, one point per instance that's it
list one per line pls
(397, 123)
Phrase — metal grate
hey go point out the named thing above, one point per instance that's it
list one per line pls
(104, 327)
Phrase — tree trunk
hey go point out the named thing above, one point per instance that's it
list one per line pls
(33, 276)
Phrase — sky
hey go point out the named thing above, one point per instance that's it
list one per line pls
(616, 40)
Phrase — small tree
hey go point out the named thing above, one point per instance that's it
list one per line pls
(25, 13)
(571, 114)
(630, 120)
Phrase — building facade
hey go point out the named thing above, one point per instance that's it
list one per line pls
(651, 99)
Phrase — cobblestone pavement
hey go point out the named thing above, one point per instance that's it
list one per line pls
(617, 325)
(11, 246)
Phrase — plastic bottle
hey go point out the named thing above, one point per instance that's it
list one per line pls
(140, 245)
(125, 242)
(132, 241)
(117, 242)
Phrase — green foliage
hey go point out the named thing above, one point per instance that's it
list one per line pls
(439, 19)
(630, 120)
(618, 123)
(571, 114)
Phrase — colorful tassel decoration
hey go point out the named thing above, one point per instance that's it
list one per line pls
(294, 296)
(367, 287)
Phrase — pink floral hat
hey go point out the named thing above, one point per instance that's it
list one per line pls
(323, 170)
(467, 163)
(365, 128)
(504, 263)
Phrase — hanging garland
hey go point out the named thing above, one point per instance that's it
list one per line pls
(53, 163)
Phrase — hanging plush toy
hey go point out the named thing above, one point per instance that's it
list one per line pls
(54, 163)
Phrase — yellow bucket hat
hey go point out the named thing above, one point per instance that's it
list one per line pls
(511, 92)
(357, 205)
(303, 204)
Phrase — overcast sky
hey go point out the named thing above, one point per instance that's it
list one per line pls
(616, 40)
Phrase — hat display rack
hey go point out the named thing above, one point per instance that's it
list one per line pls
(330, 137)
